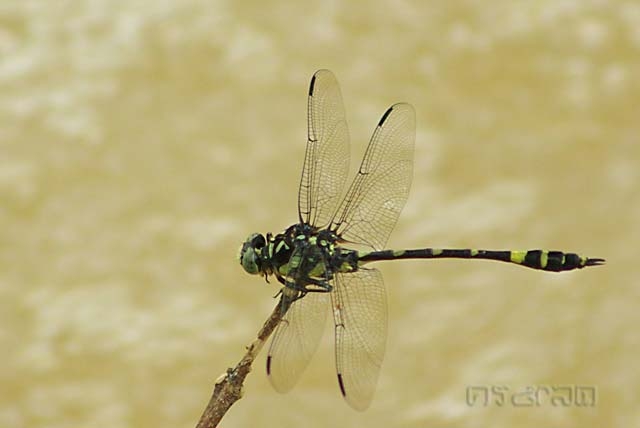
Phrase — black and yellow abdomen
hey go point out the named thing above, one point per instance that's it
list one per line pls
(552, 261)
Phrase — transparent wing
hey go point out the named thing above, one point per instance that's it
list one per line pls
(360, 316)
(295, 340)
(379, 191)
(326, 160)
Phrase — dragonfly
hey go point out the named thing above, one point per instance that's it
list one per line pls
(323, 260)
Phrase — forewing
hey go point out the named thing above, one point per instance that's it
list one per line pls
(379, 191)
(326, 160)
(295, 340)
(360, 317)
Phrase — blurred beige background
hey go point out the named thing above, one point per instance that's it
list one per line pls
(142, 141)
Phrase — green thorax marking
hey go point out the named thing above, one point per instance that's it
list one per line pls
(311, 253)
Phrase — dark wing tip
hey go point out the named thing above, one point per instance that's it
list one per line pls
(312, 84)
(385, 115)
(594, 262)
(269, 365)
(341, 383)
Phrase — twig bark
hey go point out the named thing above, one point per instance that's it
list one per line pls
(228, 387)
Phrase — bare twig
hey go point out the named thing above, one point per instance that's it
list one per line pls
(228, 387)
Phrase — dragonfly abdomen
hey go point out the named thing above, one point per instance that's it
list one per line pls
(552, 261)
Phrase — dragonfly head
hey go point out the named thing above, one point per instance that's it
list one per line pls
(250, 253)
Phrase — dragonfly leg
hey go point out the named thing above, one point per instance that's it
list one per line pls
(316, 285)
(288, 296)
(311, 285)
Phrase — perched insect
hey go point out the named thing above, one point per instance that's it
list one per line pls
(309, 258)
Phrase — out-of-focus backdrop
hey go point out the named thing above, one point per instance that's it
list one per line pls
(141, 142)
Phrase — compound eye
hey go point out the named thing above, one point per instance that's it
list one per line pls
(250, 253)
(249, 261)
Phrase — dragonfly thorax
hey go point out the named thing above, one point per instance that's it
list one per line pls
(299, 257)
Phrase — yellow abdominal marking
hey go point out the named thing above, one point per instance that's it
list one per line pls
(518, 256)
(544, 259)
